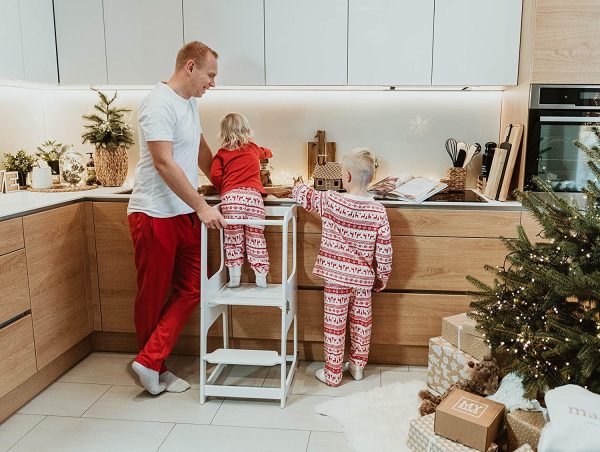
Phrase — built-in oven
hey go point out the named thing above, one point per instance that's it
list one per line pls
(558, 116)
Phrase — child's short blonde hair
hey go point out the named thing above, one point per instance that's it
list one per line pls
(235, 131)
(360, 163)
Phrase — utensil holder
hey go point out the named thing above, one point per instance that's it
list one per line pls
(456, 178)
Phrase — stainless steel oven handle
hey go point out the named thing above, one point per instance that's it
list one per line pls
(574, 119)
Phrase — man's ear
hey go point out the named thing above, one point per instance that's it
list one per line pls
(349, 175)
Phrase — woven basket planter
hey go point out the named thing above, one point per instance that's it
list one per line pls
(111, 166)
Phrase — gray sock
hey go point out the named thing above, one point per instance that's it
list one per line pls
(148, 378)
(173, 382)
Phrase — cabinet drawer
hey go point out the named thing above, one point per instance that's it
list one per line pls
(11, 235)
(14, 292)
(453, 223)
(17, 354)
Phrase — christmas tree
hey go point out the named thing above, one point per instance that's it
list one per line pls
(541, 314)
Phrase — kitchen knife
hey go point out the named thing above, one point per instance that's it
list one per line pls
(506, 144)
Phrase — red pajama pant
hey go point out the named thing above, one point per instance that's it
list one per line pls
(339, 301)
(245, 204)
(167, 258)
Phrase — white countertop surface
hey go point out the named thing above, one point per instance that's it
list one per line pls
(25, 202)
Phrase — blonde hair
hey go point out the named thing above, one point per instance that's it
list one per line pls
(360, 163)
(194, 50)
(234, 131)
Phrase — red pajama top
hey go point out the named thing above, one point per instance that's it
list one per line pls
(356, 244)
(238, 168)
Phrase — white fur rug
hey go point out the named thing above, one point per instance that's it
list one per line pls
(377, 420)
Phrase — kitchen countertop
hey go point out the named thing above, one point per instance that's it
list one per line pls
(25, 202)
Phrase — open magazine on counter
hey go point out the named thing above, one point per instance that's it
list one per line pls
(407, 188)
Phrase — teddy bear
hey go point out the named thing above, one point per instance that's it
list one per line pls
(483, 380)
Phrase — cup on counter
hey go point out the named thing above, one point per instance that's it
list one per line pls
(41, 177)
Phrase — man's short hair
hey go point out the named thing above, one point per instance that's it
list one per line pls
(360, 163)
(194, 50)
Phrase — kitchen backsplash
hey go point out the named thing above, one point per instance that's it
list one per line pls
(405, 129)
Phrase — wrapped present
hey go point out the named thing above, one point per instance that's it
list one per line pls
(446, 364)
(421, 438)
(524, 448)
(524, 427)
(461, 331)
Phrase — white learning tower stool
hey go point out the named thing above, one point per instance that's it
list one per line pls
(215, 296)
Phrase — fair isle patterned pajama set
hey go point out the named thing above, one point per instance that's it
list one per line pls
(355, 232)
(236, 174)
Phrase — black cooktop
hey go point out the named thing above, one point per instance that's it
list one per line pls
(456, 196)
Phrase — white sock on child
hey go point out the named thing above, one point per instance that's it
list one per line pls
(261, 279)
(355, 371)
(173, 382)
(148, 378)
(320, 374)
(234, 276)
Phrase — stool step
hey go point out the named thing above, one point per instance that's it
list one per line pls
(250, 295)
(244, 357)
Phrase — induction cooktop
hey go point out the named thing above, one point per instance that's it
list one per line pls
(447, 196)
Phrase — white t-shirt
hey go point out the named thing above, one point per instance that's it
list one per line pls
(165, 116)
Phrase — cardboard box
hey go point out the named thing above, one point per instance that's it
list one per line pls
(421, 438)
(469, 419)
(446, 364)
(461, 331)
(524, 427)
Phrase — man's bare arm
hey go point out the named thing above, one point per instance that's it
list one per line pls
(205, 157)
(175, 178)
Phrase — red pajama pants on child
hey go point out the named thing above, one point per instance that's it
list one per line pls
(167, 258)
(245, 204)
(340, 301)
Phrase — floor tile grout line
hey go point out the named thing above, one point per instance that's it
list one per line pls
(216, 412)
(166, 436)
(27, 433)
(101, 395)
(308, 442)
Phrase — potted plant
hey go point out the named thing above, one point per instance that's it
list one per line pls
(112, 136)
(20, 162)
(50, 151)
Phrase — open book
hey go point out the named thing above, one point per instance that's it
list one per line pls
(407, 188)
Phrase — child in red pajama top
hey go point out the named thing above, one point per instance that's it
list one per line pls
(235, 172)
(356, 232)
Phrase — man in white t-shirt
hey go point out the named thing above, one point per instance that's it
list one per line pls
(165, 211)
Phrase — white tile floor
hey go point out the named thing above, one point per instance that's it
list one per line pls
(97, 406)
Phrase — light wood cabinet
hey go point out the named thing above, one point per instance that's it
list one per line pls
(390, 42)
(237, 37)
(11, 235)
(306, 42)
(17, 354)
(56, 273)
(80, 62)
(476, 42)
(142, 40)
(14, 296)
(566, 42)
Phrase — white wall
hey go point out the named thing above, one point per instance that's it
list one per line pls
(405, 129)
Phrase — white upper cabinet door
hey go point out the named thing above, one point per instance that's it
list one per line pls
(390, 42)
(235, 30)
(306, 42)
(476, 42)
(11, 50)
(39, 45)
(142, 40)
(80, 42)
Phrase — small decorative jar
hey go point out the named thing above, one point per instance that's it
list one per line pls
(72, 168)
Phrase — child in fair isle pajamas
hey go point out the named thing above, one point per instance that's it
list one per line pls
(355, 231)
(235, 172)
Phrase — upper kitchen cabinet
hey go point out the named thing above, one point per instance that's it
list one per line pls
(235, 30)
(37, 40)
(390, 42)
(306, 42)
(80, 60)
(567, 42)
(476, 42)
(142, 40)
(27, 46)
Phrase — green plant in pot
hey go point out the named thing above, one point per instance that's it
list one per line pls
(112, 136)
(21, 162)
(50, 151)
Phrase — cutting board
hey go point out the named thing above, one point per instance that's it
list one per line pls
(510, 176)
(319, 146)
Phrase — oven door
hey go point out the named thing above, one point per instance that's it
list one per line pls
(551, 152)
